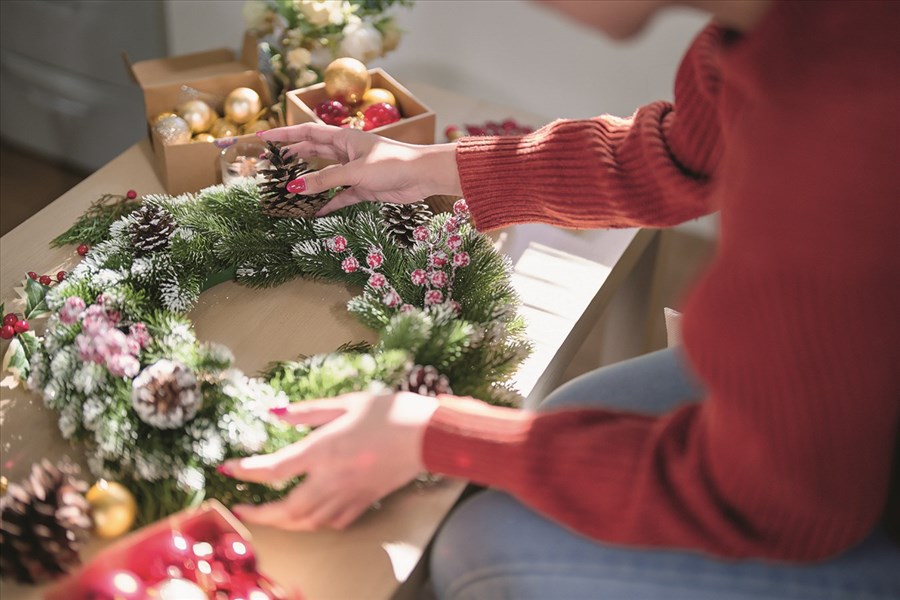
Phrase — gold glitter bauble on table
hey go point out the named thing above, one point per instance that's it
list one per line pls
(203, 137)
(376, 96)
(255, 126)
(242, 105)
(113, 508)
(223, 128)
(173, 130)
(347, 79)
(162, 116)
(198, 114)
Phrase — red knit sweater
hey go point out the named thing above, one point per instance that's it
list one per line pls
(792, 132)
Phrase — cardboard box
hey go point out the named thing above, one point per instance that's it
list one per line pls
(192, 166)
(416, 127)
(207, 522)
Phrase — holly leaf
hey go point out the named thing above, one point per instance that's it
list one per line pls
(17, 359)
(35, 299)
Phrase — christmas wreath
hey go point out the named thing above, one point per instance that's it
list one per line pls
(157, 409)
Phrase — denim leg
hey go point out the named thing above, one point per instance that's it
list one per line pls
(493, 547)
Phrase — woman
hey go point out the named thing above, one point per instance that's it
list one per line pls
(771, 440)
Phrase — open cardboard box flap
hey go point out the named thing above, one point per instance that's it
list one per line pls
(177, 69)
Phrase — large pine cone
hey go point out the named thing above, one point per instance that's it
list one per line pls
(402, 219)
(425, 380)
(166, 394)
(151, 229)
(275, 199)
(44, 523)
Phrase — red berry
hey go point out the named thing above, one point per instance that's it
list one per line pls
(332, 112)
(45, 280)
(450, 130)
(60, 275)
(21, 326)
(380, 114)
(83, 249)
(32, 274)
(6, 332)
(131, 194)
(10, 319)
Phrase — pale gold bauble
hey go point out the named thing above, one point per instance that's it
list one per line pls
(256, 126)
(242, 105)
(376, 96)
(199, 115)
(113, 508)
(173, 130)
(162, 116)
(203, 137)
(4, 485)
(347, 80)
(223, 128)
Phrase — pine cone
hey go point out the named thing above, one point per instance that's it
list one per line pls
(402, 219)
(151, 229)
(275, 199)
(166, 394)
(425, 380)
(44, 523)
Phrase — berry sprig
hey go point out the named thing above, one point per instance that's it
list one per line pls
(490, 128)
(374, 261)
(93, 226)
(443, 251)
(46, 280)
(12, 326)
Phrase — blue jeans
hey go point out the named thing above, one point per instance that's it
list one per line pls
(493, 547)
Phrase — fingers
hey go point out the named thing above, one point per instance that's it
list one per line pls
(306, 132)
(342, 199)
(332, 176)
(281, 465)
(314, 150)
(312, 413)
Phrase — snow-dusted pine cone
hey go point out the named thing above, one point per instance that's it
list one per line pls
(44, 523)
(274, 197)
(425, 380)
(152, 227)
(166, 394)
(402, 219)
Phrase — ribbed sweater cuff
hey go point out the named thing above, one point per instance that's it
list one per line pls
(478, 443)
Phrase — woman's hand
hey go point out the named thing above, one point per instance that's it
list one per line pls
(366, 446)
(371, 166)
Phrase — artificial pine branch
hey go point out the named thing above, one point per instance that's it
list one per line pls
(93, 226)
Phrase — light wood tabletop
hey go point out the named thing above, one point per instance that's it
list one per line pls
(564, 278)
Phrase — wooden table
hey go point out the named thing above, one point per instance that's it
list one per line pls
(565, 278)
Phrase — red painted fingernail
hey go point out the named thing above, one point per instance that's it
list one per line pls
(297, 186)
(224, 470)
(278, 410)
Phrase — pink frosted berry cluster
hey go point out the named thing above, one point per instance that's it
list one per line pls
(101, 341)
(374, 260)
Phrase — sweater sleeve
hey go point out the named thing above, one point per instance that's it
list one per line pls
(651, 170)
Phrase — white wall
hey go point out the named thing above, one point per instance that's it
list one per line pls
(508, 51)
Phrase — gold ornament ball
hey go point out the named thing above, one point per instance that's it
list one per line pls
(203, 137)
(256, 126)
(242, 105)
(113, 508)
(376, 96)
(198, 114)
(223, 128)
(347, 79)
(173, 130)
(4, 485)
(162, 116)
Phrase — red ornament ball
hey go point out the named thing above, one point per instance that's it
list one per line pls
(131, 194)
(10, 319)
(83, 249)
(117, 584)
(168, 555)
(45, 280)
(33, 275)
(7, 332)
(332, 112)
(235, 553)
(60, 275)
(380, 114)
(21, 326)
